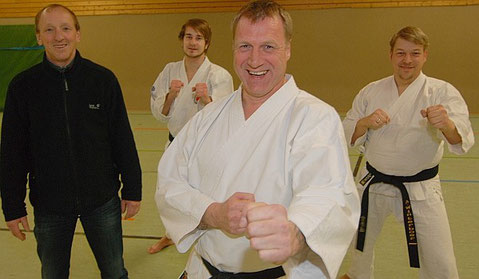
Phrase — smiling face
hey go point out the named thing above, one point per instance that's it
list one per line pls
(407, 59)
(261, 54)
(194, 43)
(58, 34)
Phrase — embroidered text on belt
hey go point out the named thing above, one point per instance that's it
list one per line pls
(271, 273)
(397, 181)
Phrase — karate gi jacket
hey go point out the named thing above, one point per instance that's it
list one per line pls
(408, 144)
(218, 80)
(291, 151)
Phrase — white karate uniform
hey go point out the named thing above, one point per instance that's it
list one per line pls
(218, 80)
(291, 151)
(404, 147)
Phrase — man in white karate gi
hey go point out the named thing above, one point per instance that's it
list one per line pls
(260, 182)
(185, 87)
(404, 121)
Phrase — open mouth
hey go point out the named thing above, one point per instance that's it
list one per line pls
(60, 46)
(257, 73)
(407, 68)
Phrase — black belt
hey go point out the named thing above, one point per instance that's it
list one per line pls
(170, 137)
(398, 182)
(271, 273)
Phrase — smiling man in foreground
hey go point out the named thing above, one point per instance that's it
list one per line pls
(260, 182)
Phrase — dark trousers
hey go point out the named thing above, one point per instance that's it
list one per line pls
(102, 226)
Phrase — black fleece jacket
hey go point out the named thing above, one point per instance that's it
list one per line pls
(68, 133)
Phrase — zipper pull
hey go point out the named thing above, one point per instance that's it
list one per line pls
(64, 80)
(66, 84)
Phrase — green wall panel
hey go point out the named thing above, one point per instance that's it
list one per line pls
(18, 51)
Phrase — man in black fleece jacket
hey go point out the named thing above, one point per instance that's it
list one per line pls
(66, 129)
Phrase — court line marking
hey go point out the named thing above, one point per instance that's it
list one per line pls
(149, 129)
(82, 233)
(150, 150)
(459, 181)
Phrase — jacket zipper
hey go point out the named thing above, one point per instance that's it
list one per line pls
(65, 107)
(70, 148)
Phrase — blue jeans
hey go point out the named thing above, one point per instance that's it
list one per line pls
(102, 226)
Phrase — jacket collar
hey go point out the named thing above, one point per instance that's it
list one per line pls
(53, 69)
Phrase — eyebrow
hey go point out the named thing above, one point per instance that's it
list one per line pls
(190, 34)
(414, 49)
(260, 43)
(61, 25)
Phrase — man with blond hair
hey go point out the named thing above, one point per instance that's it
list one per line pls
(259, 182)
(404, 121)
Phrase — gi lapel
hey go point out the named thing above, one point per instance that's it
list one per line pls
(184, 98)
(408, 97)
(401, 106)
(242, 143)
(201, 74)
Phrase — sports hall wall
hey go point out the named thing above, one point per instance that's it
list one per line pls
(335, 52)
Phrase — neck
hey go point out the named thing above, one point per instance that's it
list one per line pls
(62, 67)
(63, 64)
(402, 85)
(252, 103)
(249, 109)
(192, 64)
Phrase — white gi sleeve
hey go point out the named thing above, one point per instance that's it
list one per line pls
(458, 112)
(221, 83)
(158, 94)
(357, 112)
(325, 204)
(181, 206)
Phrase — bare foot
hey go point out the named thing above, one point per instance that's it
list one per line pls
(345, 276)
(160, 245)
